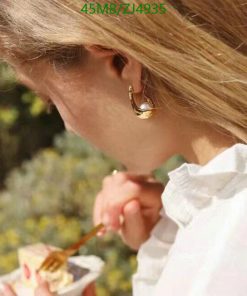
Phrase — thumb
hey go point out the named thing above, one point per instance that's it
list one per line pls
(133, 229)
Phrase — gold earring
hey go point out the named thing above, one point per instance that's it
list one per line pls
(146, 110)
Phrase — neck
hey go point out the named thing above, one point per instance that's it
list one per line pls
(205, 143)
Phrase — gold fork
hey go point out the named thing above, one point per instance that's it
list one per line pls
(57, 258)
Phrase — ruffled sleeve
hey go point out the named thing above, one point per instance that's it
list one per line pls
(152, 256)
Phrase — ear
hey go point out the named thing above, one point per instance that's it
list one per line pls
(119, 64)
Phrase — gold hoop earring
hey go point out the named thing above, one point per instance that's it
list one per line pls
(146, 110)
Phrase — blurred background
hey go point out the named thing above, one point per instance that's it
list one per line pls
(48, 181)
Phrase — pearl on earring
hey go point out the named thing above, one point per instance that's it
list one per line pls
(146, 109)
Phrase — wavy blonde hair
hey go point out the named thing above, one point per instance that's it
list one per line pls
(195, 55)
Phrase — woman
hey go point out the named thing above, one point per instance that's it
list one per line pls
(186, 68)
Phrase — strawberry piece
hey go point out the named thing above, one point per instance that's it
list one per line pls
(27, 272)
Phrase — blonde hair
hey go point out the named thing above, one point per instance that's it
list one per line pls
(195, 54)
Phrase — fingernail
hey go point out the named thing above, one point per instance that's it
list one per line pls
(121, 219)
(100, 234)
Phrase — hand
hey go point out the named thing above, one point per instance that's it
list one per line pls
(43, 290)
(90, 290)
(137, 198)
(7, 291)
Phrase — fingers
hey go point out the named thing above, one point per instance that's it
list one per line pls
(136, 198)
(90, 290)
(119, 194)
(133, 230)
(43, 287)
(114, 203)
(7, 291)
(97, 213)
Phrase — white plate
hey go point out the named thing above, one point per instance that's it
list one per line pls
(92, 263)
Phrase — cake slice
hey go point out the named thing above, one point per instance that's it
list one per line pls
(30, 259)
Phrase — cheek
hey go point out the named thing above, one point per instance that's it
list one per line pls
(83, 112)
(92, 112)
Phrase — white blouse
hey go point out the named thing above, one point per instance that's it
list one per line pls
(199, 247)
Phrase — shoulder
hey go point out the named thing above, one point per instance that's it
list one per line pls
(209, 254)
(229, 207)
(223, 221)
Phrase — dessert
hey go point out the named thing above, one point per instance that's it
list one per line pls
(30, 259)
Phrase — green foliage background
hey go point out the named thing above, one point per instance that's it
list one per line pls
(49, 179)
